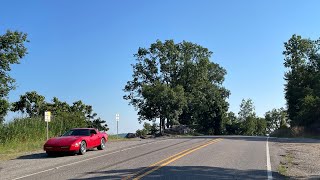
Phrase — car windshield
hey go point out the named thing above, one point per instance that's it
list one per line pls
(77, 132)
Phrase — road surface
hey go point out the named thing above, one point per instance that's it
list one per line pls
(207, 157)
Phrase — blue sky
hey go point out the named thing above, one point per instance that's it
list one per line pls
(81, 50)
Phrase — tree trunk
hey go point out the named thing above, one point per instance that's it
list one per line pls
(160, 126)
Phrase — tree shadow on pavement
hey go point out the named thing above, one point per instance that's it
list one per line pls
(183, 173)
(257, 138)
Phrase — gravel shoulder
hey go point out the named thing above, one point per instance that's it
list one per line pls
(296, 158)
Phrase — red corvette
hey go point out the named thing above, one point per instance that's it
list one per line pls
(77, 141)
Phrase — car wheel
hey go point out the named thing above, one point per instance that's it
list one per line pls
(83, 148)
(102, 145)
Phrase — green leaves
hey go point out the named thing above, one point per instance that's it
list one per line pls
(302, 59)
(12, 49)
(276, 118)
(35, 105)
(178, 83)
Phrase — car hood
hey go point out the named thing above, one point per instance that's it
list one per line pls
(63, 141)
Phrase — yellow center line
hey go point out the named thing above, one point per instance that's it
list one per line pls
(159, 162)
(170, 159)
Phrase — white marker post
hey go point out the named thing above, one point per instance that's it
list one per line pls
(47, 118)
(117, 119)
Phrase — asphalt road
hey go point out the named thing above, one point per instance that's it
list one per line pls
(211, 157)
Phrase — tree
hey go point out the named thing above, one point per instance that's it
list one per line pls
(246, 110)
(169, 82)
(261, 128)
(162, 102)
(12, 50)
(248, 119)
(233, 126)
(302, 88)
(57, 106)
(275, 119)
(99, 124)
(32, 103)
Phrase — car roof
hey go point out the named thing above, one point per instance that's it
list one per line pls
(82, 128)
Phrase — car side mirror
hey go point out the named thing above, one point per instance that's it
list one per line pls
(92, 134)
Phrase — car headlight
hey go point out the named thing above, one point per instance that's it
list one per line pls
(77, 144)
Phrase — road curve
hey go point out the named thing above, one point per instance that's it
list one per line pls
(205, 157)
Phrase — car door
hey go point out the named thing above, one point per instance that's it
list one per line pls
(94, 138)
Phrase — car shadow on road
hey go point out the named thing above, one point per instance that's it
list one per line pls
(44, 155)
(181, 172)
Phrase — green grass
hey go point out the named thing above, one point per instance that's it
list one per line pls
(16, 149)
(285, 164)
(282, 169)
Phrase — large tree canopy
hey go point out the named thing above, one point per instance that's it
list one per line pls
(12, 49)
(302, 88)
(178, 83)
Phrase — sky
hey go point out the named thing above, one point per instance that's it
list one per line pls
(83, 50)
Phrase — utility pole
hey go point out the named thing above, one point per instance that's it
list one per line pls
(117, 119)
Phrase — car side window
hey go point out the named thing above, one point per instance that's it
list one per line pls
(93, 132)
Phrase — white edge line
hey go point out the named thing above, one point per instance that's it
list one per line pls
(269, 170)
(51, 169)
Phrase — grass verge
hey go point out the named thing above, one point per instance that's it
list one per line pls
(285, 164)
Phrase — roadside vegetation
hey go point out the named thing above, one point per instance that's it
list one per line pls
(28, 132)
(179, 83)
(173, 84)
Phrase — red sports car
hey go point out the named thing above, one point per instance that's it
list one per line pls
(77, 141)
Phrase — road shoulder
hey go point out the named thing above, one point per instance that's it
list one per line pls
(295, 158)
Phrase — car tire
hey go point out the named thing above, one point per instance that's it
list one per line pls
(83, 148)
(102, 145)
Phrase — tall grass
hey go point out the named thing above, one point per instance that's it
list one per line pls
(28, 134)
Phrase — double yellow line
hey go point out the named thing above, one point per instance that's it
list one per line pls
(153, 167)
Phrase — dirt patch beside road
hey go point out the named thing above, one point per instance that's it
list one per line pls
(297, 158)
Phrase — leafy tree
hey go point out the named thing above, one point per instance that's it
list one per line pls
(32, 103)
(233, 125)
(276, 118)
(249, 126)
(171, 80)
(302, 88)
(261, 128)
(12, 49)
(250, 123)
(57, 106)
(99, 124)
(148, 129)
(162, 102)
(246, 110)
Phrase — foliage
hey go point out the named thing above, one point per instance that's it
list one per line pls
(247, 123)
(302, 88)
(35, 105)
(178, 84)
(276, 119)
(32, 103)
(12, 49)
(246, 110)
(148, 129)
